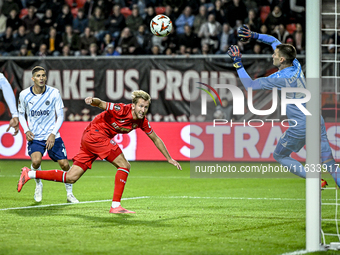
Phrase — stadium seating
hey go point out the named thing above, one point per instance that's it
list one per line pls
(160, 10)
(264, 12)
(80, 3)
(291, 28)
(125, 11)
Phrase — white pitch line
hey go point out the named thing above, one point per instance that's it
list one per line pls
(102, 177)
(85, 202)
(296, 252)
(234, 198)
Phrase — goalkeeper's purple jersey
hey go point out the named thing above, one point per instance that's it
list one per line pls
(292, 77)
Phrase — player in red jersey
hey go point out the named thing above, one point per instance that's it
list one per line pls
(97, 142)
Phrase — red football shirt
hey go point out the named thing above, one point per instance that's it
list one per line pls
(118, 119)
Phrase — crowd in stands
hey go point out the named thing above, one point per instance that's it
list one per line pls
(121, 27)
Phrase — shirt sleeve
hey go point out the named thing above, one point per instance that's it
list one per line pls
(146, 127)
(268, 39)
(59, 102)
(9, 95)
(22, 109)
(60, 120)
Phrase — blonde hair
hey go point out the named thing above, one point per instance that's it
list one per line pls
(140, 94)
(37, 69)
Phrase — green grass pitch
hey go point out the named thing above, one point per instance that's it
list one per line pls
(176, 214)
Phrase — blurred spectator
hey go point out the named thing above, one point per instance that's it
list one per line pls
(209, 32)
(93, 50)
(155, 50)
(85, 41)
(41, 7)
(66, 51)
(141, 4)
(14, 21)
(127, 44)
(55, 5)
(71, 39)
(257, 49)
(47, 21)
(143, 38)
(200, 18)
(35, 38)
(299, 39)
(171, 41)
(252, 21)
(182, 50)
(24, 52)
(31, 19)
(42, 51)
(209, 6)
(134, 20)
(324, 38)
(281, 33)
(53, 42)
(226, 39)
(150, 13)
(97, 23)
(80, 22)
(111, 51)
(20, 39)
(64, 18)
(169, 52)
(6, 41)
(297, 11)
(116, 22)
(9, 5)
(106, 41)
(290, 40)
(206, 49)
(186, 18)
(190, 40)
(169, 12)
(266, 49)
(219, 12)
(274, 19)
(236, 10)
(224, 111)
(3, 21)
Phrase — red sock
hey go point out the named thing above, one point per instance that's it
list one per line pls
(51, 175)
(120, 180)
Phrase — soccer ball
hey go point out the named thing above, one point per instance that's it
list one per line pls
(161, 25)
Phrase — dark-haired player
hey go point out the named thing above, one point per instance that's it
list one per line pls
(117, 118)
(289, 75)
(42, 104)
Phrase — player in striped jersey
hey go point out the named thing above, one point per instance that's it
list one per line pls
(42, 104)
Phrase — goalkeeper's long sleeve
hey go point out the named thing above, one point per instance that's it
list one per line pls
(9, 95)
(268, 39)
(247, 81)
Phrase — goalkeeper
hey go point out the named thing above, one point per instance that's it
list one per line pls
(289, 75)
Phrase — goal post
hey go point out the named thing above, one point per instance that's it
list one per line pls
(313, 83)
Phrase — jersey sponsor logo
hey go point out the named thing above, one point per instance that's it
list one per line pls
(47, 102)
(121, 120)
(117, 107)
(40, 113)
(115, 125)
(112, 142)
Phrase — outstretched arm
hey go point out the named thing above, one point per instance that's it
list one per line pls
(93, 101)
(161, 147)
(245, 35)
(247, 81)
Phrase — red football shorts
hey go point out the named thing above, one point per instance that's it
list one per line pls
(94, 145)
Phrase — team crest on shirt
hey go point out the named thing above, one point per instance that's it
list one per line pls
(134, 125)
(117, 107)
(47, 102)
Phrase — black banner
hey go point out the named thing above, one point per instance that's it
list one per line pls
(168, 80)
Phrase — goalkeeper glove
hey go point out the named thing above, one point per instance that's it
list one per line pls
(235, 55)
(245, 34)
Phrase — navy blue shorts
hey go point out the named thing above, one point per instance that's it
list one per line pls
(57, 152)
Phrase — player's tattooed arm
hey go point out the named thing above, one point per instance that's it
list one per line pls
(94, 101)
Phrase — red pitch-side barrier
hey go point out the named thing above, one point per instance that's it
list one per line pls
(184, 141)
